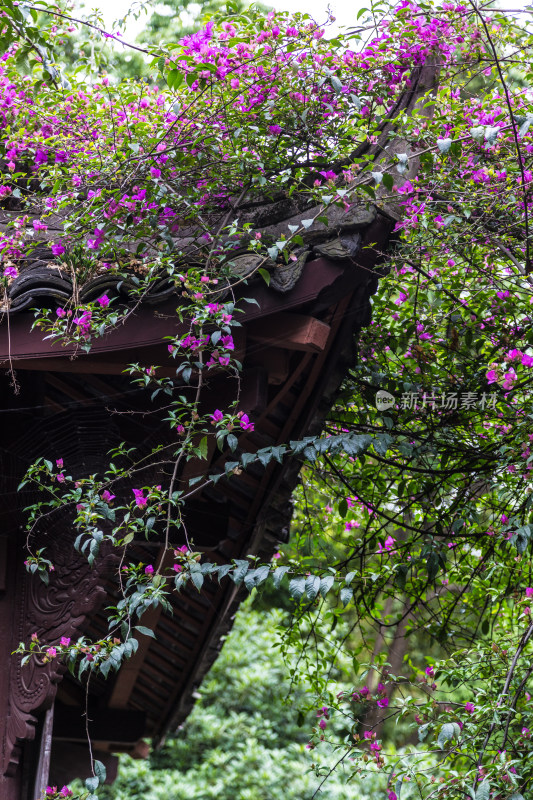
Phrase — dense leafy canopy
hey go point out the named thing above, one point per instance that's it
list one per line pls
(424, 470)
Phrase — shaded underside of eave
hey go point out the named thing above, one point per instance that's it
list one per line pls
(268, 522)
(188, 640)
(335, 295)
(261, 522)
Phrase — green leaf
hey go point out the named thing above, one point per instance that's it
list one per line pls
(241, 568)
(312, 586)
(447, 732)
(337, 85)
(354, 445)
(423, 732)
(524, 127)
(92, 783)
(247, 458)
(432, 566)
(343, 507)
(249, 579)
(202, 448)
(297, 588)
(483, 791)
(150, 522)
(261, 574)
(278, 575)
(346, 594)
(256, 577)
(278, 453)
(401, 574)
(197, 578)
(265, 274)
(264, 456)
(105, 667)
(223, 570)
(146, 631)
(326, 583)
(491, 134)
(387, 180)
(100, 771)
(381, 443)
(520, 539)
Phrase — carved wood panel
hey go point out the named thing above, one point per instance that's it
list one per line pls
(51, 612)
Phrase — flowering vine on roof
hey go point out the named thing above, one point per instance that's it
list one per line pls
(260, 139)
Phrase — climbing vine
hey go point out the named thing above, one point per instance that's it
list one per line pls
(425, 464)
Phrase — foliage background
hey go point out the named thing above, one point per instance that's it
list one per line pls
(245, 739)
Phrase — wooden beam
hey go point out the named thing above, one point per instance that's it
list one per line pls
(147, 326)
(45, 752)
(68, 390)
(274, 360)
(143, 328)
(119, 726)
(3, 562)
(109, 362)
(290, 331)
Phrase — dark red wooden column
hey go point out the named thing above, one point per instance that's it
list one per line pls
(10, 784)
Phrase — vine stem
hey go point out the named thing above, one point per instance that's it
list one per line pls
(525, 192)
(525, 639)
(14, 383)
(87, 723)
(513, 704)
(90, 25)
(175, 470)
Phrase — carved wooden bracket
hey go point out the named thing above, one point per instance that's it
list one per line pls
(53, 611)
